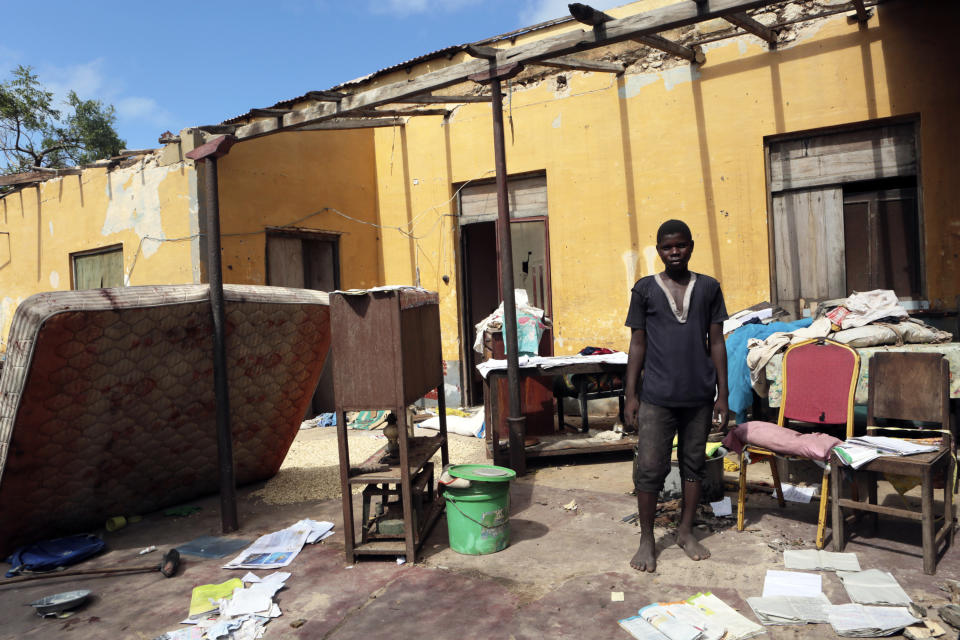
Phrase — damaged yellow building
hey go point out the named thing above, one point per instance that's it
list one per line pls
(807, 167)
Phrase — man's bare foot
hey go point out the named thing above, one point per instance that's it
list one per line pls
(645, 558)
(692, 547)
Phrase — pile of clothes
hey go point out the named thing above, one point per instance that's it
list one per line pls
(867, 319)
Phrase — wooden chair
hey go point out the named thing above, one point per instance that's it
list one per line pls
(906, 387)
(819, 380)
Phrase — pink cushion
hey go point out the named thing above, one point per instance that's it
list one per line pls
(782, 440)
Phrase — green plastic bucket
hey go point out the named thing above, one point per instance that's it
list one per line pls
(478, 516)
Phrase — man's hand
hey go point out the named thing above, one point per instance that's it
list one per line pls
(631, 411)
(721, 413)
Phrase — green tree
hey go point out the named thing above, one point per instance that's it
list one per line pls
(34, 133)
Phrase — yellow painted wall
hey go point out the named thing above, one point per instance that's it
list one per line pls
(41, 226)
(623, 154)
(281, 180)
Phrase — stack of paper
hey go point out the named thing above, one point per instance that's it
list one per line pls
(858, 621)
(721, 615)
(874, 587)
(820, 560)
(775, 610)
(893, 446)
(856, 452)
(641, 629)
(681, 621)
(855, 455)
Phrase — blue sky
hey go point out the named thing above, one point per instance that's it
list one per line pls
(170, 65)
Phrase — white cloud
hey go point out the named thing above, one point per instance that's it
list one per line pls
(144, 110)
(410, 7)
(86, 79)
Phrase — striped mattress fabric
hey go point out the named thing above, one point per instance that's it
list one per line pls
(107, 399)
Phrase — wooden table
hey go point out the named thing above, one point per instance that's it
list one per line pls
(496, 408)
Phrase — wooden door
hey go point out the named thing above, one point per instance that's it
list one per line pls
(809, 246)
(307, 261)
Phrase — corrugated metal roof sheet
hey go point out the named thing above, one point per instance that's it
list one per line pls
(447, 52)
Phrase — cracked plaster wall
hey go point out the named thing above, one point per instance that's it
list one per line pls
(142, 206)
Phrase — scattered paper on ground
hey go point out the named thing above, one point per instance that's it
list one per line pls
(795, 493)
(820, 560)
(722, 508)
(776, 610)
(792, 583)
(873, 587)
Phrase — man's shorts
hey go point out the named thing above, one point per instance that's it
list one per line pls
(656, 429)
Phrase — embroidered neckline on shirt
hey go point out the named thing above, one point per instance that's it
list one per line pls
(680, 316)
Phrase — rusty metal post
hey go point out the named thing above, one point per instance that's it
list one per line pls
(516, 420)
(208, 154)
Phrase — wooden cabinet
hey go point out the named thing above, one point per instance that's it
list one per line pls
(387, 355)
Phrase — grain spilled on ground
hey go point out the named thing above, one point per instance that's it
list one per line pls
(311, 469)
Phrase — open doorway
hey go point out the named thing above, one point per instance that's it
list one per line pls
(481, 280)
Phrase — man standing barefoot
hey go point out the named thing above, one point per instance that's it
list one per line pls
(677, 345)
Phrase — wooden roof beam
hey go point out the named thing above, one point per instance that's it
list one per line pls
(588, 15)
(443, 99)
(219, 129)
(269, 113)
(326, 96)
(862, 13)
(366, 113)
(579, 64)
(690, 54)
(750, 25)
(352, 123)
(679, 14)
(39, 174)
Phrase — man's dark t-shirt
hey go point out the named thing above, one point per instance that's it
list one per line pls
(677, 369)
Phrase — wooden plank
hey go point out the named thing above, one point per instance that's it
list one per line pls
(526, 197)
(867, 154)
(862, 14)
(809, 246)
(876, 508)
(673, 16)
(219, 129)
(269, 113)
(579, 64)
(35, 176)
(397, 113)
(429, 99)
(750, 25)
(352, 123)
(326, 96)
(691, 54)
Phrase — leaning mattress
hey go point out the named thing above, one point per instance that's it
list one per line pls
(107, 399)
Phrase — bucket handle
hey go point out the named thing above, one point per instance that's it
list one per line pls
(449, 501)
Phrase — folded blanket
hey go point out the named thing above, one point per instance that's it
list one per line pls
(782, 440)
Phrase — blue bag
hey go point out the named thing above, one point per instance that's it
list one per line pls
(50, 554)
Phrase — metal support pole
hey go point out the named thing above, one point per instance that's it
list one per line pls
(516, 421)
(209, 153)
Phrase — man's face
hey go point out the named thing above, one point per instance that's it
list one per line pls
(675, 250)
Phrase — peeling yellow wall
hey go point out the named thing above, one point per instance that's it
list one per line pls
(282, 180)
(40, 226)
(623, 154)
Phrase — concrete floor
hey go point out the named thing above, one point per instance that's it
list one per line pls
(554, 580)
